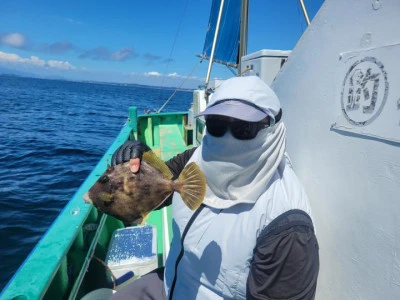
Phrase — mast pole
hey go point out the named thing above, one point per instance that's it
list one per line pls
(243, 33)
(305, 12)
(214, 42)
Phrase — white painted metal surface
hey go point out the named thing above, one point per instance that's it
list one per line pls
(340, 92)
(264, 63)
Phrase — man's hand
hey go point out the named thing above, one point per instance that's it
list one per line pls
(131, 151)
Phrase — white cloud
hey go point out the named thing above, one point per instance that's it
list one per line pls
(174, 75)
(9, 57)
(14, 39)
(152, 74)
(14, 58)
(60, 65)
(36, 61)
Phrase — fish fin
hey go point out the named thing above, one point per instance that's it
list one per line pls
(162, 202)
(141, 221)
(136, 222)
(151, 158)
(144, 219)
(192, 185)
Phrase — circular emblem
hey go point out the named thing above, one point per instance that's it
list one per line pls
(364, 91)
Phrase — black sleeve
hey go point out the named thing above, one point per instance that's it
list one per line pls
(176, 165)
(285, 264)
(178, 162)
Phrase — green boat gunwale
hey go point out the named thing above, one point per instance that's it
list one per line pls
(53, 269)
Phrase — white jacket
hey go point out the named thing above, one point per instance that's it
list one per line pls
(218, 247)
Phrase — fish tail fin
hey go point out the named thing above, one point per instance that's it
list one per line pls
(192, 185)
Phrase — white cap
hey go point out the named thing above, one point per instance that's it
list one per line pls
(245, 98)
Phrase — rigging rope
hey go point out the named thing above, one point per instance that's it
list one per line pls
(114, 279)
(174, 42)
(177, 89)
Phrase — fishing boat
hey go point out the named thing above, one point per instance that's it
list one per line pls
(340, 97)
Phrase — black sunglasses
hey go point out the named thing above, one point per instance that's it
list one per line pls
(240, 130)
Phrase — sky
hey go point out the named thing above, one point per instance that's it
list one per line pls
(152, 42)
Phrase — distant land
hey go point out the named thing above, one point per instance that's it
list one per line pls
(11, 72)
(15, 73)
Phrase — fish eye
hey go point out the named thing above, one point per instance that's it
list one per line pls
(104, 179)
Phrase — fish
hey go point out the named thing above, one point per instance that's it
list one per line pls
(131, 196)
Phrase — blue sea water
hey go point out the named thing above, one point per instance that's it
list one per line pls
(52, 133)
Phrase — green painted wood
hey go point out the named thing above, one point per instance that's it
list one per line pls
(133, 118)
(166, 135)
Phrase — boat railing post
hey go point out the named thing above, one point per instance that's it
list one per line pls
(133, 118)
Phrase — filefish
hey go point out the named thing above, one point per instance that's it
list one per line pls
(130, 196)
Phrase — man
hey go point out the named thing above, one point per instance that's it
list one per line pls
(253, 236)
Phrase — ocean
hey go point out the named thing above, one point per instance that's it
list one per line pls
(52, 134)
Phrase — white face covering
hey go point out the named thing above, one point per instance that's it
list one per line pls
(238, 171)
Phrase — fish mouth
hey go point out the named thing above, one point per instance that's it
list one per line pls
(87, 199)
